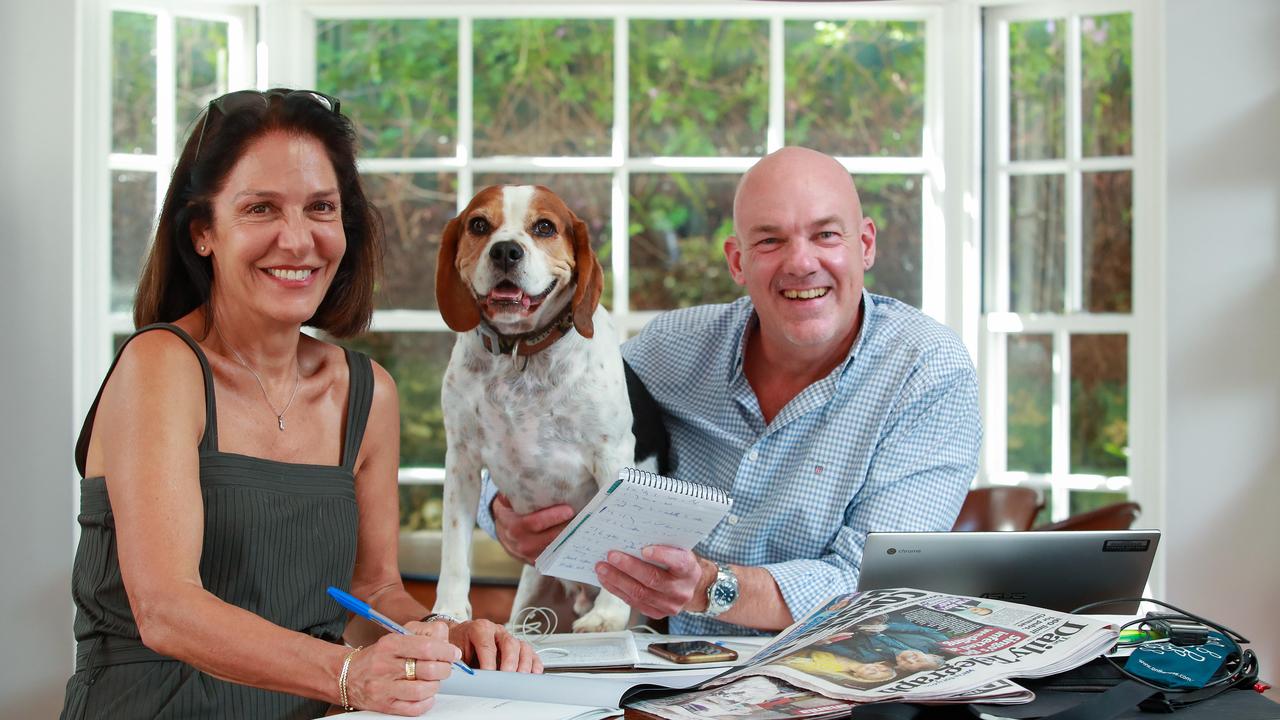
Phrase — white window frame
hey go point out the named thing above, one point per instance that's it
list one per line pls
(1143, 326)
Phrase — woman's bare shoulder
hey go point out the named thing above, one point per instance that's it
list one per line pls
(158, 357)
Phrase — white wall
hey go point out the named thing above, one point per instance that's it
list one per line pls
(1223, 291)
(37, 183)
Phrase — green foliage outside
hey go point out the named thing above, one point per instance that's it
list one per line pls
(421, 506)
(1100, 404)
(1037, 89)
(1082, 501)
(543, 87)
(1106, 50)
(1029, 393)
(133, 82)
(417, 362)
(397, 80)
(856, 87)
(200, 52)
(699, 87)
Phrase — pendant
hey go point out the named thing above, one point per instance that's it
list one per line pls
(281, 419)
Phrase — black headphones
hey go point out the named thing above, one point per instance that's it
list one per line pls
(1240, 668)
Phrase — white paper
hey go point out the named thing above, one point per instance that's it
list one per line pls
(453, 707)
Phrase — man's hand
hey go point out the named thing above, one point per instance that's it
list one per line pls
(666, 581)
(488, 646)
(526, 536)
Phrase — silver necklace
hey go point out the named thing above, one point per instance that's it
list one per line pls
(297, 377)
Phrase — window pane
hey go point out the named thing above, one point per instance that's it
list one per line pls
(588, 196)
(200, 52)
(1106, 92)
(1037, 243)
(699, 87)
(417, 361)
(133, 83)
(415, 208)
(421, 506)
(397, 80)
(1036, 90)
(1046, 510)
(1082, 501)
(855, 87)
(543, 87)
(1107, 208)
(678, 227)
(1030, 403)
(894, 202)
(133, 210)
(1100, 404)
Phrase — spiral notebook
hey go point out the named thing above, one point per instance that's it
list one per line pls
(638, 509)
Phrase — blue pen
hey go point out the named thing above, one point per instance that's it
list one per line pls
(361, 608)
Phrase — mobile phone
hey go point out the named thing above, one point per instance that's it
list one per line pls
(695, 651)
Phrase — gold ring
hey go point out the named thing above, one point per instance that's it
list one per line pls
(410, 669)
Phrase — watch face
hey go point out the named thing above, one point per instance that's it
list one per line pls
(724, 593)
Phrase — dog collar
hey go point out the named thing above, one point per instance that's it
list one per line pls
(529, 343)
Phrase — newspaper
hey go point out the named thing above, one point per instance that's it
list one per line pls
(908, 645)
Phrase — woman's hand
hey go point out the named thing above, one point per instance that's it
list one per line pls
(378, 680)
(488, 646)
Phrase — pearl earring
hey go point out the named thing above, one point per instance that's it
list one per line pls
(201, 248)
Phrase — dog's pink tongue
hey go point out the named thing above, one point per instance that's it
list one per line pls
(507, 293)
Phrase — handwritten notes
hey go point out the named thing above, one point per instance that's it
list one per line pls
(639, 509)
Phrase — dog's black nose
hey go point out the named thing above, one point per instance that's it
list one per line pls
(506, 254)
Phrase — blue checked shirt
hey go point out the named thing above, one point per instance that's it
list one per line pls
(887, 442)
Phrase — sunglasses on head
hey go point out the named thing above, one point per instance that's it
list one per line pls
(241, 99)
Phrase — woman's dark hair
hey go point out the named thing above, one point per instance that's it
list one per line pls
(176, 279)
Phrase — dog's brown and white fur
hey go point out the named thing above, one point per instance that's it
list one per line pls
(551, 427)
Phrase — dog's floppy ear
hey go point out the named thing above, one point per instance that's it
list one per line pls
(589, 278)
(453, 297)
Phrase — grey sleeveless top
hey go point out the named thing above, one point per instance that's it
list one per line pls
(276, 535)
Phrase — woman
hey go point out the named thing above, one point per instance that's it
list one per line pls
(839, 669)
(235, 468)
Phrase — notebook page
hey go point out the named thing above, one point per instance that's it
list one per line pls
(632, 516)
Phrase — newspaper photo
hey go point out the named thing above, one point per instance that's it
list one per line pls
(922, 646)
(919, 646)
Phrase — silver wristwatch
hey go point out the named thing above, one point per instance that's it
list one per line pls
(722, 593)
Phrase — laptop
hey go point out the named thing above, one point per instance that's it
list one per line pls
(1058, 570)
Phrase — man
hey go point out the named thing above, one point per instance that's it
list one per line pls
(826, 413)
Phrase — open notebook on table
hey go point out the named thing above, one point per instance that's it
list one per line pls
(636, 510)
(502, 695)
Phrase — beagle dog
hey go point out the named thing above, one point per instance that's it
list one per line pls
(535, 390)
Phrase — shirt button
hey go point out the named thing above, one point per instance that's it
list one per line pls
(733, 519)
(753, 455)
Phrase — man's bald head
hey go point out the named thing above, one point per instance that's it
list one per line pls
(793, 168)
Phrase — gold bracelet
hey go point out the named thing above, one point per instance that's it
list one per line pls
(342, 679)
